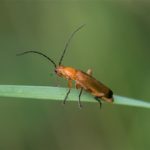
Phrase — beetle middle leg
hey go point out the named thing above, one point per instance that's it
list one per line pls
(79, 102)
(70, 86)
(89, 71)
(79, 87)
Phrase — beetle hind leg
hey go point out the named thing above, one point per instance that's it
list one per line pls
(100, 103)
(89, 72)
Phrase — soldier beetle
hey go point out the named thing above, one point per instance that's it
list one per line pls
(83, 81)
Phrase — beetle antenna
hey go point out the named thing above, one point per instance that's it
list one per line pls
(26, 52)
(67, 44)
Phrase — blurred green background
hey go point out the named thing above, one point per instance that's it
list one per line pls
(115, 43)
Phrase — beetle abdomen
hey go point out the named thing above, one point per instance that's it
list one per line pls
(93, 86)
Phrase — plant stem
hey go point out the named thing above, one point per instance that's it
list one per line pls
(58, 93)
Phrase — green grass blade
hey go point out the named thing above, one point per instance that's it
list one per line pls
(58, 93)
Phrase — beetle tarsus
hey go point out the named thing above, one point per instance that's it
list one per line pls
(100, 103)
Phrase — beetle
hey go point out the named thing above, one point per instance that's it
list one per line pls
(83, 80)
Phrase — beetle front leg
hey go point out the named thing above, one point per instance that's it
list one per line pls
(70, 86)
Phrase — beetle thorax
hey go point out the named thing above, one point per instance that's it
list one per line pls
(66, 72)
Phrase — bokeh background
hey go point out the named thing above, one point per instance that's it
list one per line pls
(115, 43)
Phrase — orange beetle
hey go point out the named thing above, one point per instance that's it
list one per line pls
(83, 81)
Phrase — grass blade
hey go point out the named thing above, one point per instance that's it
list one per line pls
(58, 93)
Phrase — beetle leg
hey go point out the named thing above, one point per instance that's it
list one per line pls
(78, 86)
(89, 72)
(100, 103)
(79, 102)
(70, 86)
